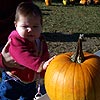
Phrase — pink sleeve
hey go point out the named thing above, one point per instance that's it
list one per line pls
(23, 57)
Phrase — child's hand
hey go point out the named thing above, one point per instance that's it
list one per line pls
(45, 65)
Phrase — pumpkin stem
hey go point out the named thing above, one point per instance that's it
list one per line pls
(78, 56)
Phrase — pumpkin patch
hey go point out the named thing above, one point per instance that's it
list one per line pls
(74, 76)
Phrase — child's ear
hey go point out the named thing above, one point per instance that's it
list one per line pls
(15, 23)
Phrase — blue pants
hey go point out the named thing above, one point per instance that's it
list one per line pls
(11, 89)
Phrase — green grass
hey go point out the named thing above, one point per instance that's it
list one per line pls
(74, 19)
(60, 21)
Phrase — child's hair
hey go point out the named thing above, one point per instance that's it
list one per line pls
(28, 9)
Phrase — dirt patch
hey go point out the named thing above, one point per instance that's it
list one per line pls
(61, 43)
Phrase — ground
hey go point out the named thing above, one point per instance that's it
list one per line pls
(61, 43)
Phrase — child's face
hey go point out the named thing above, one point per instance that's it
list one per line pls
(29, 27)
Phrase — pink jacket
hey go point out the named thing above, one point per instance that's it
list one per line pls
(22, 51)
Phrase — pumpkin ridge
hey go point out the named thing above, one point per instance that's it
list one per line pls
(73, 81)
(91, 64)
(79, 85)
(83, 81)
(60, 70)
(97, 73)
(57, 80)
(71, 77)
(50, 75)
(66, 74)
(89, 68)
(92, 80)
(92, 84)
(64, 82)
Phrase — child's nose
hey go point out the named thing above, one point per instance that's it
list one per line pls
(29, 29)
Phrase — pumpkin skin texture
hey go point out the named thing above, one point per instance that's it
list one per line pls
(68, 80)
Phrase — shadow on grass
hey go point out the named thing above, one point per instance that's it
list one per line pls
(61, 37)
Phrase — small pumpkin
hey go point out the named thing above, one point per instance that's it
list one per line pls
(64, 2)
(83, 2)
(74, 76)
(67, 2)
(96, 1)
(48, 2)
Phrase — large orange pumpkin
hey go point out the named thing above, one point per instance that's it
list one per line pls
(73, 76)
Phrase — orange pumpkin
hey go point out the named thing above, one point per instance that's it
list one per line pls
(48, 2)
(73, 76)
(67, 2)
(96, 1)
(83, 2)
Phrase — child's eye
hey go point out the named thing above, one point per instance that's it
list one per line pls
(35, 26)
(25, 26)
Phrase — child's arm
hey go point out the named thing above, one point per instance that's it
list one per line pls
(24, 57)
